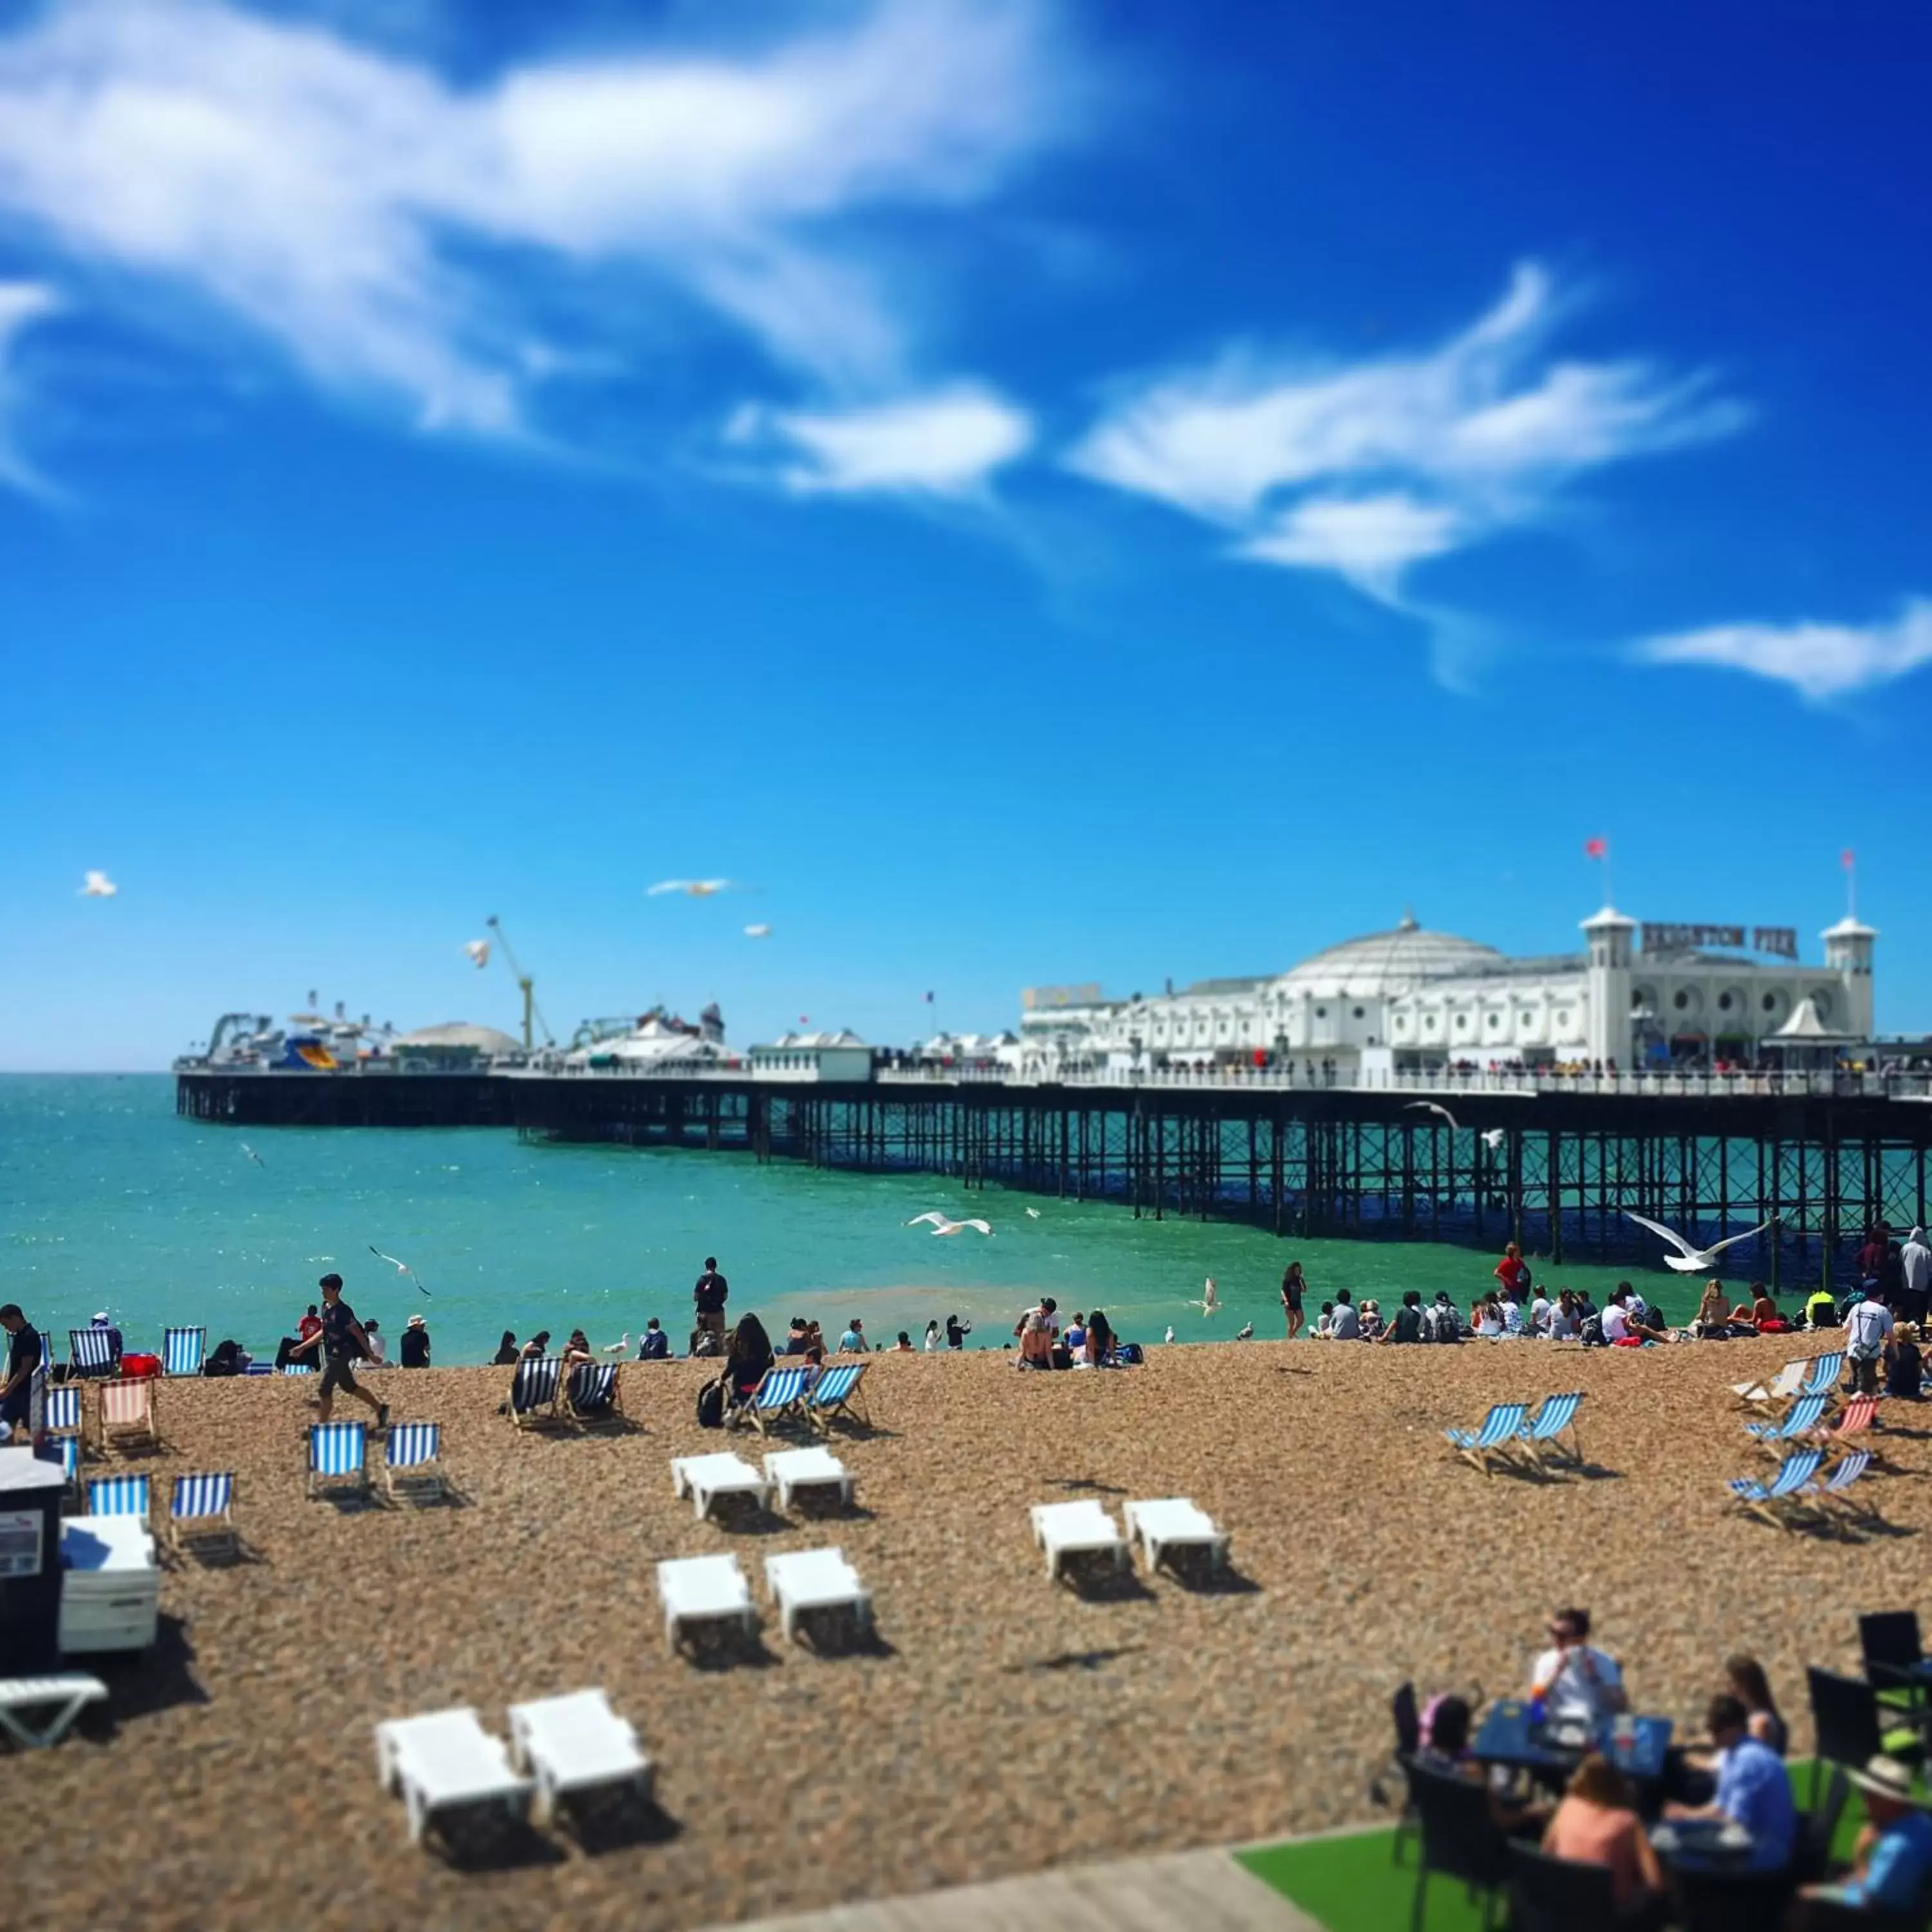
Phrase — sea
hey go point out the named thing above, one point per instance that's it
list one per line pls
(110, 1200)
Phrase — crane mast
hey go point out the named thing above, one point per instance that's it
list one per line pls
(532, 1017)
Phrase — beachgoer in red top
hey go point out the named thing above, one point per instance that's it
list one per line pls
(310, 1324)
(1513, 1271)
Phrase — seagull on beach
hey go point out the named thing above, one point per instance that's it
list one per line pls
(98, 886)
(693, 889)
(1169, 1336)
(1491, 1137)
(1209, 1302)
(619, 1348)
(1245, 1332)
(253, 1155)
(941, 1226)
(401, 1268)
(1688, 1260)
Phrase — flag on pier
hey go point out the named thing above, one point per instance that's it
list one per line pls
(1596, 848)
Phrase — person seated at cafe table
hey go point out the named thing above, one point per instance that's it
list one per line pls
(1754, 1791)
(1597, 1824)
(1445, 1750)
(1891, 1865)
(1577, 1683)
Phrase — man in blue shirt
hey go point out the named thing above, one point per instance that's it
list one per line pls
(1891, 1870)
(1753, 1790)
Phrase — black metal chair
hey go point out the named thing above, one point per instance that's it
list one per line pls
(1722, 1901)
(1551, 1894)
(1460, 1840)
(1408, 1742)
(1895, 1659)
(1811, 1859)
(1844, 1715)
(1827, 1915)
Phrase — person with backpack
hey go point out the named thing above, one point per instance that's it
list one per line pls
(1868, 1340)
(1440, 1323)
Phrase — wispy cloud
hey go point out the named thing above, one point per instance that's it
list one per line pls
(945, 443)
(392, 232)
(1818, 661)
(1368, 469)
(22, 304)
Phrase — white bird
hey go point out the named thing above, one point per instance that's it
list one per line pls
(1688, 1260)
(695, 889)
(1169, 1336)
(1209, 1302)
(941, 1226)
(401, 1268)
(619, 1348)
(253, 1155)
(1245, 1332)
(757, 932)
(478, 950)
(1492, 1138)
(1032, 1213)
(98, 886)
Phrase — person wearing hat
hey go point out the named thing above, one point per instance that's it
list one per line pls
(416, 1343)
(1891, 1868)
(102, 1319)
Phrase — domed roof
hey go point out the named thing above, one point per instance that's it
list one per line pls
(1382, 963)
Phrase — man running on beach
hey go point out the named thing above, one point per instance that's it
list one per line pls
(709, 1296)
(341, 1340)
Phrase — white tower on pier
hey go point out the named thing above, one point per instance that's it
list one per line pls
(1848, 953)
(1609, 994)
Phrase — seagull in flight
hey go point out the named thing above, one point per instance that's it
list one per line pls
(1492, 1138)
(693, 889)
(941, 1226)
(401, 1268)
(98, 886)
(1032, 1213)
(478, 952)
(619, 1348)
(757, 932)
(253, 1155)
(1245, 1332)
(1688, 1260)
(1209, 1302)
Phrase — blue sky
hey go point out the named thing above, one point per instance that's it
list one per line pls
(1036, 492)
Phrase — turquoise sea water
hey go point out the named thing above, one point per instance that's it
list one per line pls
(108, 1200)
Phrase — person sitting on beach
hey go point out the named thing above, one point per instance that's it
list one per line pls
(536, 1347)
(1576, 1682)
(1904, 1368)
(932, 1336)
(310, 1324)
(1765, 1317)
(853, 1342)
(656, 1346)
(1564, 1322)
(1891, 1863)
(1036, 1329)
(102, 1319)
(1407, 1326)
(1373, 1323)
(903, 1346)
(1616, 1318)
(1536, 1320)
(798, 1338)
(1073, 1337)
(1098, 1348)
(1712, 1322)
(577, 1349)
(1486, 1315)
(1754, 1790)
(748, 1354)
(1597, 1823)
(379, 1344)
(956, 1332)
(1821, 1311)
(507, 1351)
(1325, 1323)
(1513, 1323)
(416, 1343)
(814, 1365)
(1345, 1323)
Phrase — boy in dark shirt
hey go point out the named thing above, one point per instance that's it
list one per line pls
(343, 1344)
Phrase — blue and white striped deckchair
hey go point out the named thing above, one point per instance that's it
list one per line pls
(1825, 1369)
(534, 1391)
(91, 1350)
(298, 1368)
(413, 1456)
(1831, 1495)
(774, 1399)
(834, 1393)
(590, 1395)
(182, 1350)
(1782, 1502)
(338, 1452)
(69, 1456)
(118, 1495)
(201, 1511)
(1494, 1443)
(60, 1409)
(1540, 1443)
(1804, 1416)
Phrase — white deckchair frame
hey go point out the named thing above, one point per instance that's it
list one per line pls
(70, 1691)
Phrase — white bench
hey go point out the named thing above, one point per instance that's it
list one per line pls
(574, 1744)
(804, 1580)
(1170, 1523)
(1076, 1529)
(791, 1470)
(704, 1590)
(705, 1478)
(445, 1761)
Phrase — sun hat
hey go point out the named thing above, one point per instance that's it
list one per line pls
(415, 1321)
(100, 1315)
(1886, 1778)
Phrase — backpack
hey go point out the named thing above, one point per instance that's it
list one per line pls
(1131, 1354)
(711, 1406)
(1592, 1333)
(1439, 1323)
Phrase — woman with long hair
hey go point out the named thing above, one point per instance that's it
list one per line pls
(1748, 1684)
(1099, 1345)
(1597, 1824)
(506, 1350)
(748, 1354)
(1294, 1292)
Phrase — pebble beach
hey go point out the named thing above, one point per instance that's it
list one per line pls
(1002, 1724)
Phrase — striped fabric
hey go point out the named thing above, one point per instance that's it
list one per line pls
(1503, 1423)
(411, 1445)
(1793, 1473)
(1847, 1472)
(780, 1389)
(1803, 1415)
(1825, 1370)
(126, 1404)
(338, 1449)
(535, 1383)
(118, 1495)
(835, 1387)
(196, 1498)
(1557, 1413)
(182, 1350)
(92, 1351)
(298, 1368)
(592, 1386)
(70, 1449)
(60, 1410)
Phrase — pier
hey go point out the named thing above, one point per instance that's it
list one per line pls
(1553, 1163)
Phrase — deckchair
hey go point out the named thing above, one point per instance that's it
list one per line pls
(1781, 1387)
(1803, 1417)
(795, 1469)
(70, 1454)
(67, 1693)
(774, 1399)
(338, 1452)
(1171, 1523)
(61, 1410)
(705, 1478)
(1540, 1445)
(201, 1511)
(412, 1458)
(833, 1395)
(298, 1369)
(1782, 1503)
(1491, 1447)
(804, 1581)
(1833, 1496)
(182, 1351)
(126, 1411)
(590, 1395)
(118, 1495)
(445, 1761)
(697, 1590)
(1825, 1370)
(1855, 1418)
(90, 1351)
(574, 1744)
(1076, 1529)
(534, 1390)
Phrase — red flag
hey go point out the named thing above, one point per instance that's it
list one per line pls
(1848, 858)
(1596, 848)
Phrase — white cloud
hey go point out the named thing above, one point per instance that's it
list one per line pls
(1819, 661)
(359, 210)
(1368, 469)
(22, 304)
(945, 443)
